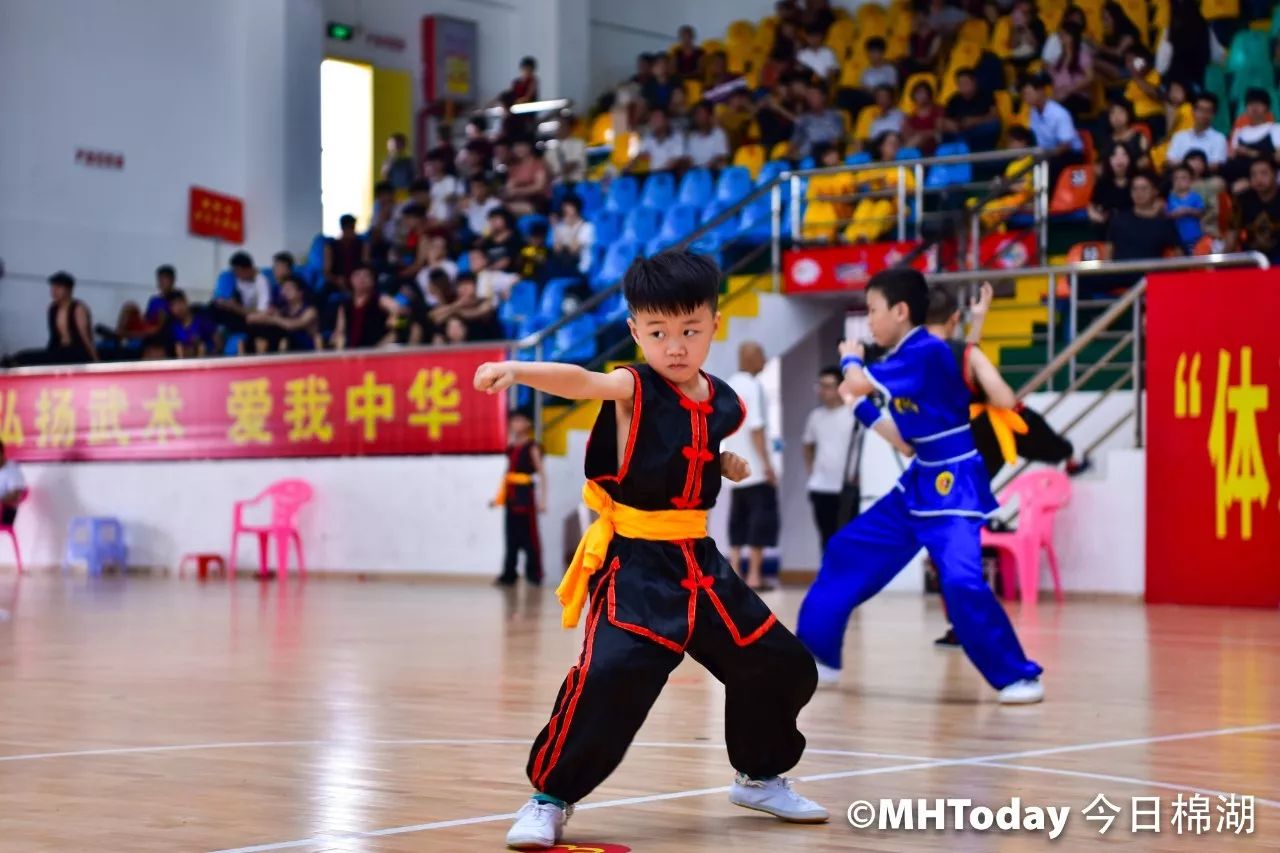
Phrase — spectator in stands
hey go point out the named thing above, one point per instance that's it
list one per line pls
(572, 240)
(1143, 90)
(922, 127)
(657, 90)
(1208, 186)
(439, 290)
(478, 312)
(292, 325)
(566, 155)
(1258, 137)
(362, 321)
(437, 258)
(528, 187)
(445, 148)
(782, 57)
(707, 144)
(478, 145)
(534, 254)
(408, 323)
(816, 56)
(817, 124)
(1143, 231)
(455, 331)
(397, 166)
(124, 341)
(1118, 34)
(477, 206)
(1187, 39)
(282, 264)
(445, 190)
(971, 115)
(409, 255)
(944, 17)
(818, 13)
(342, 254)
(661, 147)
(1016, 184)
(1201, 136)
(827, 434)
(925, 42)
(678, 112)
(1112, 191)
(190, 333)
(1072, 72)
(1052, 126)
(13, 488)
(494, 284)
(383, 223)
(1185, 207)
(736, 117)
(1177, 109)
(888, 117)
(1072, 18)
(879, 71)
(687, 55)
(249, 292)
(1256, 212)
(1121, 128)
(644, 72)
(1026, 36)
(717, 80)
(524, 89)
(502, 245)
(158, 305)
(776, 115)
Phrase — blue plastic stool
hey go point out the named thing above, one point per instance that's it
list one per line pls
(98, 542)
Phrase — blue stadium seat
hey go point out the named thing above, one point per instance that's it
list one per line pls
(616, 260)
(771, 170)
(522, 302)
(696, 188)
(734, 184)
(608, 225)
(525, 223)
(658, 244)
(592, 197)
(464, 262)
(680, 221)
(612, 310)
(756, 225)
(807, 163)
(551, 303)
(858, 158)
(642, 224)
(908, 154)
(725, 230)
(624, 193)
(659, 190)
(225, 287)
(575, 341)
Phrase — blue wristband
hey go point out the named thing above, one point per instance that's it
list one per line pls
(849, 361)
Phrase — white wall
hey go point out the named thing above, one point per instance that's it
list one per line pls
(411, 514)
(224, 95)
(621, 29)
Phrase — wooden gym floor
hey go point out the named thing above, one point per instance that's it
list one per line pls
(156, 714)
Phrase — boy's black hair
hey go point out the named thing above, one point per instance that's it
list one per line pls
(967, 72)
(175, 295)
(284, 258)
(240, 260)
(672, 283)
(414, 210)
(382, 187)
(420, 185)
(874, 43)
(1196, 152)
(1180, 167)
(1018, 132)
(529, 62)
(346, 219)
(904, 285)
(1207, 96)
(942, 305)
(63, 279)
(832, 371)
(820, 150)
(1257, 96)
(520, 413)
(167, 269)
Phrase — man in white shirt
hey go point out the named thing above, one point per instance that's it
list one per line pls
(753, 502)
(478, 205)
(1201, 135)
(12, 489)
(663, 146)
(827, 434)
(445, 190)
(816, 56)
(707, 145)
(879, 71)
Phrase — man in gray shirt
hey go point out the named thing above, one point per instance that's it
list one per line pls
(818, 123)
(879, 72)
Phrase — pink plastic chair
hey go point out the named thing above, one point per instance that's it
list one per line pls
(1041, 493)
(13, 536)
(287, 497)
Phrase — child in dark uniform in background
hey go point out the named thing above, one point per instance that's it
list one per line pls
(658, 585)
(522, 494)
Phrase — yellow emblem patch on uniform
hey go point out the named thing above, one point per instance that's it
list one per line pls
(944, 482)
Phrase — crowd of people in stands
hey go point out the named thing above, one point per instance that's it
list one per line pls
(1121, 89)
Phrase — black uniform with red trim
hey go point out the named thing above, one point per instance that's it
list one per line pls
(1040, 443)
(520, 503)
(655, 601)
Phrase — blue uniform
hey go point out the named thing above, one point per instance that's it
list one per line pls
(938, 504)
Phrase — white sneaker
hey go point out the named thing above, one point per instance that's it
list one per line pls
(1028, 691)
(775, 797)
(538, 826)
(827, 676)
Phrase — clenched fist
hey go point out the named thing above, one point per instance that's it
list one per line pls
(733, 467)
(494, 376)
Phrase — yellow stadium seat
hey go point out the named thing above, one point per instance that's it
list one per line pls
(820, 221)
(624, 149)
(851, 71)
(1051, 15)
(999, 43)
(1159, 156)
(1161, 11)
(763, 39)
(897, 45)
(841, 36)
(740, 32)
(862, 127)
(872, 21)
(739, 56)
(713, 46)
(751, 156)
(907, 106)
(780, 150)
(693, 90)
(1008, 118)
(871, 219)
(601, 129)
(973, 31)
(1138, 13)
(964, 55)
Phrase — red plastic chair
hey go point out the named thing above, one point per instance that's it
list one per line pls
(1040, 493)
(13, 536)
(1073, 190)
(287, 497)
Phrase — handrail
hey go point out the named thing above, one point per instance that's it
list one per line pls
(1106, 267)
(944, 160)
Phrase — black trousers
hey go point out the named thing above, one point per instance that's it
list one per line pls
(522, 536)
(826, 515)
(1039, 444)
(767, 674)
(7, 515)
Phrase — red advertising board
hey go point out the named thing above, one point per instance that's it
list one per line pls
(834, 269)
(358, 405)
(1213, 438)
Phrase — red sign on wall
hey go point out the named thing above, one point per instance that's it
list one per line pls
(212, 214)
(828, 269)
(360, 405)
(1213, 438)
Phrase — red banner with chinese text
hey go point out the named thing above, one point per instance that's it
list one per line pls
(1213, 438)
(834, 269)
(211, 214)
(360, 405)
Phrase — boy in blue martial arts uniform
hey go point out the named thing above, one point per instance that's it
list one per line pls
(938, 504)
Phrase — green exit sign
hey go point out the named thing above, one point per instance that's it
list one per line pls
(341, 32)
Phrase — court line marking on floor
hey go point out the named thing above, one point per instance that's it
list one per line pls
(263, 744)
(1126, 780)
(698, 792)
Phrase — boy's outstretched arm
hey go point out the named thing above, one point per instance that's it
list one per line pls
(563, 380)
